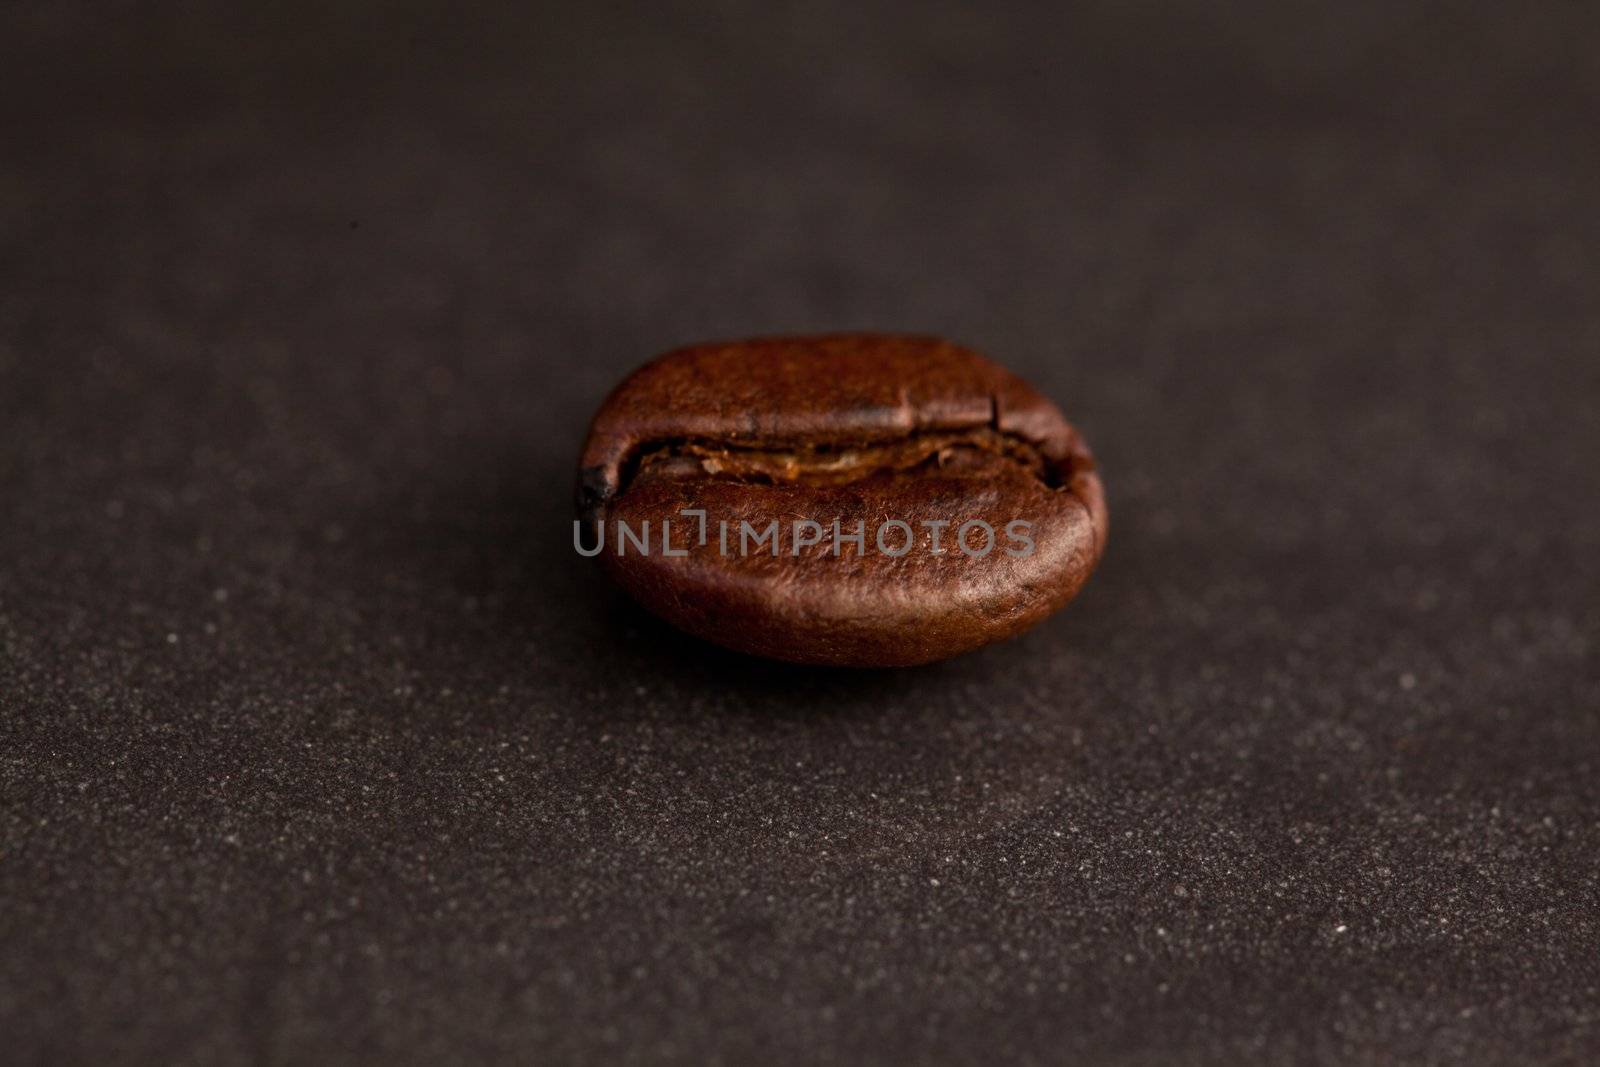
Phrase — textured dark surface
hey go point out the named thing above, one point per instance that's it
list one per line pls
(318, 745)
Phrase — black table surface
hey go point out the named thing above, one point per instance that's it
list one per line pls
(319, 745)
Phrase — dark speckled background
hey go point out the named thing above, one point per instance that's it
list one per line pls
(317, 745)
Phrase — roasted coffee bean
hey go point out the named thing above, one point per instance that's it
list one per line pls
(854, 500)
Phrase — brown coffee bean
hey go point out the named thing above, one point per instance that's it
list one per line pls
(855, 500)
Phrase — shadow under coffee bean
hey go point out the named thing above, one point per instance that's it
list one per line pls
(855, 500)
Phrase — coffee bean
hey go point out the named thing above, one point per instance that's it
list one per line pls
(855, 500)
